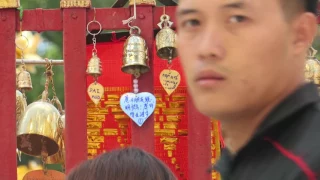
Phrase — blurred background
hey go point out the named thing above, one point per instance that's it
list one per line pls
(49, 45)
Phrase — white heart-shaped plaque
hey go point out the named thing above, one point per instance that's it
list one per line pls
(138, 106)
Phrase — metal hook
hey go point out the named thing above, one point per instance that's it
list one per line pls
(129, 25)
(94, 14)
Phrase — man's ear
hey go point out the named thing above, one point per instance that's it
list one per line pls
(305, 29)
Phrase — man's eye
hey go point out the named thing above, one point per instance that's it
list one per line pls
(237, 19)
(191, 23)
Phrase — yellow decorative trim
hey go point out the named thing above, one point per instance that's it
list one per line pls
(75, 3)
(5, 4)
(217, 142)
(145, 2)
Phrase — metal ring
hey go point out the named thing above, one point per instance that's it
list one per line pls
(135, 27)
(100, 27)
(26, 45)
(165, 17)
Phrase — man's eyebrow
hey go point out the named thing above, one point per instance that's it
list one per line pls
(186, 11)
(234, 5)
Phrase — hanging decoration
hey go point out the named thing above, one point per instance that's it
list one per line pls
(23, 79)
(41, 128)
(94, 69)
(312, 67)
(24, 82)
(167, 50)
(138, 106)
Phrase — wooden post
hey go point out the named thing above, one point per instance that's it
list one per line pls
(199, 144)
(143, 137)
(8, 140)
(74, 53)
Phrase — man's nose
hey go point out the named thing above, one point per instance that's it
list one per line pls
(211, 45)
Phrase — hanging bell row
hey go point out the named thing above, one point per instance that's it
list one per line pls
(135, 59)
(166, 40)
(312, 67)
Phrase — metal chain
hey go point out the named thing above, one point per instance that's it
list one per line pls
(94, 42)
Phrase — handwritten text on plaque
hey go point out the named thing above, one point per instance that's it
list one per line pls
(170, 80)
(138, 106)
(95, 92)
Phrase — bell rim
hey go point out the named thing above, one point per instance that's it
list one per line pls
(160, 52)
(39, 154)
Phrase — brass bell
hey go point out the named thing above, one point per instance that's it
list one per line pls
(94, 66)
(24, 80)
(312, 67)
(135, 59)
(59, 157)
(166, 40)
(38, 130)
(21, 105)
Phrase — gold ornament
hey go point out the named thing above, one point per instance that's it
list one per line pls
(95, 90)
(94, 66)
(24, 80)
(142, 2)
(4, 4)
(166, 40)
(135, 59)
(312, 67)
(21, 105)
(40, 128)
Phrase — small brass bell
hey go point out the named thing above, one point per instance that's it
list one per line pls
(94, 66)
(38, 130)
(24, 80)
(312, 67)
(21, 105)
(166, 40)
(135, 59)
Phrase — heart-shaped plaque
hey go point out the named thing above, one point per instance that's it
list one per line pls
(95, 92)
(138, 106)
(40, 175)
(170, 80)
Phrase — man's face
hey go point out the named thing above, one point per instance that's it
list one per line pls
(237, 55)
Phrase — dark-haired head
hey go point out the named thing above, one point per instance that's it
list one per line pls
(243, 42)
(294, 7)
(123, 164)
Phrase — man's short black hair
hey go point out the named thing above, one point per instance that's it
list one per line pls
(293, 7)
(311, 6)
